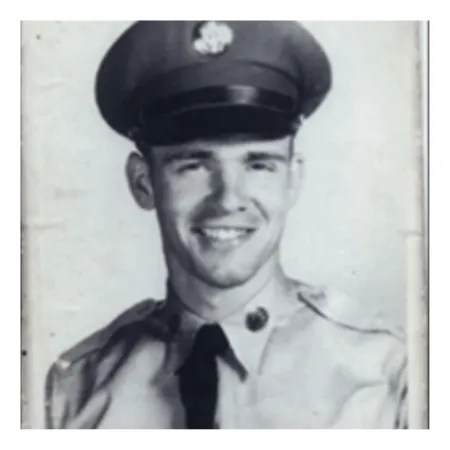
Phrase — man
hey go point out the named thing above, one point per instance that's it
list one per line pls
(213, 109)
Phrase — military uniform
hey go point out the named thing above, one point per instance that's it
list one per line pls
(310, 360)
(295, 358)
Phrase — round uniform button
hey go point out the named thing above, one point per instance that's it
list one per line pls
(257, 319)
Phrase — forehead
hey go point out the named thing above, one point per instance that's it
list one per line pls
(226, 147)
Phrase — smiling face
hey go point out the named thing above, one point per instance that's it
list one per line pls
(222, 205)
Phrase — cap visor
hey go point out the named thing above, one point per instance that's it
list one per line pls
(215, 123)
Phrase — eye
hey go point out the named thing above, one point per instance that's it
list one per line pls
(265, 166)
(188, 167)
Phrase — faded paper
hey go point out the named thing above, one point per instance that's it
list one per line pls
(90, 252)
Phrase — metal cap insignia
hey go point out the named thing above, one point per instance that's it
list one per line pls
(212, 38)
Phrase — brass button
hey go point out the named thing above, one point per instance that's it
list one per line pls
(257, 319)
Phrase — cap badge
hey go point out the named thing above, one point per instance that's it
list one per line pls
(212, 38)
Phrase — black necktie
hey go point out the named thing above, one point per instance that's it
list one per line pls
(198, 379)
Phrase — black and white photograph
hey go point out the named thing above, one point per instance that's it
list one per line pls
(222, 225)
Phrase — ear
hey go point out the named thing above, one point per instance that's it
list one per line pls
(139, 182)
(296, 177)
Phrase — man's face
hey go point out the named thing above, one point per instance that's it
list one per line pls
(222, 205)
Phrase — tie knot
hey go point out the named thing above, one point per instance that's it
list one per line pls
(210, 341)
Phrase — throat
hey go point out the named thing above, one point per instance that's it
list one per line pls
(214, 304)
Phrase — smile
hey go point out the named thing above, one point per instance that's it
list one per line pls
(223, 234)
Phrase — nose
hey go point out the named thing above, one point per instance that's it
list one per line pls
(228, 191)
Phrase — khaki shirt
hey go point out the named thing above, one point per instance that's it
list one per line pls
(315, 360)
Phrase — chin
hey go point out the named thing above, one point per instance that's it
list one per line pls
(226, 278)
(224, 281)
(224, 269)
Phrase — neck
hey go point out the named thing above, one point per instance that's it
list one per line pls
(214, 304)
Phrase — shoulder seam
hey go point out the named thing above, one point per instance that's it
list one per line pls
(308, 301)
(99, 338)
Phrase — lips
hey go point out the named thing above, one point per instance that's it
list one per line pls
(223, 234)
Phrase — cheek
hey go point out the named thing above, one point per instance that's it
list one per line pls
(271, 193)
(177, 197)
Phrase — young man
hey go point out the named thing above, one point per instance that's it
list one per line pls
(213, 108)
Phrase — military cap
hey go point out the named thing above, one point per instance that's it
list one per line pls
(169, 81)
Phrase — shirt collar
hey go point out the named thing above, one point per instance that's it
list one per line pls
(246, 346)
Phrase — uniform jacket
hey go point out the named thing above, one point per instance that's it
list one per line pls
(320, 361)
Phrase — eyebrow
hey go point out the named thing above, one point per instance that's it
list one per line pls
(265, 156)
(183, 155)
(252, 156)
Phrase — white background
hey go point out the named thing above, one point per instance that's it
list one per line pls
(90, 252)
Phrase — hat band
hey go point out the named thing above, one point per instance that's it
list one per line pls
(218, 97)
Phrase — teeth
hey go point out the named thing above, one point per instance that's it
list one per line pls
(223, 234)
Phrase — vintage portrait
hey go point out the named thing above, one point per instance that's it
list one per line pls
(216, 223)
